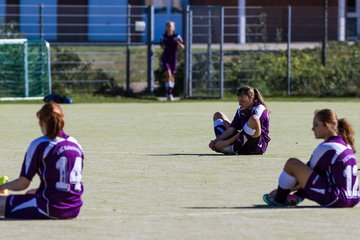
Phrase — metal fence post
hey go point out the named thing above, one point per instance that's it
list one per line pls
(222, 53)
(41, 33)
(128, 52)
(190, 51)
(325, 34)
(41, 24)
(150, 49)
(288, 72)
(209, 53)
(187, 40)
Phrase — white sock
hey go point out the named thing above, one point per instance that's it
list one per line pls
(167, 85)
(286, 181)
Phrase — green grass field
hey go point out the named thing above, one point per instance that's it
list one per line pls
(149, 174)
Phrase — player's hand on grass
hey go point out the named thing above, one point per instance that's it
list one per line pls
(212, 145)
(220, 145)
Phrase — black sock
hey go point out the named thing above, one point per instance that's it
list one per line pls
(281, 195)
(170, 91)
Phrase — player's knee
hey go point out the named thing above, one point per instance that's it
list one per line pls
(290, 164)
(218, 115)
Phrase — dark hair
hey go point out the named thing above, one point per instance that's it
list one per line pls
(341, 126)
(251, 92)
(347, 132)
(52, 115)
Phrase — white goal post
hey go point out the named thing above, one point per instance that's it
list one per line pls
(25, 69)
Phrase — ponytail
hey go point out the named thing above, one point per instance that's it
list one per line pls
(347, 132)
(52, 116)
(258, 97)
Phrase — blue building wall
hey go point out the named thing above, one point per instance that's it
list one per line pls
(29, 19)
(107, 20)
(2, 11)
(161, 17)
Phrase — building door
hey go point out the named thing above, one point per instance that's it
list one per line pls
(72, 20)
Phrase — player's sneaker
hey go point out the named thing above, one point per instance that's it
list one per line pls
(229, 150)
(4, 179)
(294, 199)
(271, 202)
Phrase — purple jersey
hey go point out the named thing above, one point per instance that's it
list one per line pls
(59, 163)
(169, 56)
(334, 181)
(242, 116)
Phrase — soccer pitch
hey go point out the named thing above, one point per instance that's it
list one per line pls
(149, 173)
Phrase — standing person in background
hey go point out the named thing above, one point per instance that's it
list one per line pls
(169, 42)
(330, 177)
(58, 160)
(248, 133)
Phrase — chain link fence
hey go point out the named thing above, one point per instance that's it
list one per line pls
(111, 49)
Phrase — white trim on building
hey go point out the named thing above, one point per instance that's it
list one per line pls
(242, 21)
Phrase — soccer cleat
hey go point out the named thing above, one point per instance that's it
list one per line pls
(229, 150)
(271, 202)
(4, 179)
(294, 199)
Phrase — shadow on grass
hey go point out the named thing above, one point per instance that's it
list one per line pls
(256, 206)
(20, 219)
(187, 154)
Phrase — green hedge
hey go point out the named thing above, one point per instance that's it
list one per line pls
(267, 71)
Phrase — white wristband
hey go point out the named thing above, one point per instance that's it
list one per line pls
(248, 130)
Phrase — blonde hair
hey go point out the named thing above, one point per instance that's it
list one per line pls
(170, 23)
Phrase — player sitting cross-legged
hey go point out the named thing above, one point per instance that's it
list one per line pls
(248, 133)
(58, 160)
(330, 178)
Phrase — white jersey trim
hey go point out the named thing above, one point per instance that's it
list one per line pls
(31, 150)
(53, 143)
(73, 140)
(257, 110)
(28, 204)
(322, 148)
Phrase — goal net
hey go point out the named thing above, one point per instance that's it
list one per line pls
(24, 69)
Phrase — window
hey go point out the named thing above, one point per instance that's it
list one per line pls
(156, 3)
(160, 5)
(351, 5)
(351, 28)
(176, 6)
